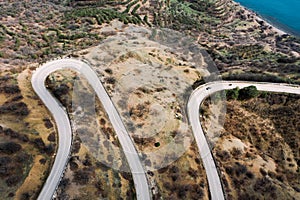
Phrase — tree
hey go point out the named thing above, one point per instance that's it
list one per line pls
(232, 94)
(61, 90)
(51, 137)
(81, 177)
(39, 144)
(248, 92)
(13, 180)
(10, 148)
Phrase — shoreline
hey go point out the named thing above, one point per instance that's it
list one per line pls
(275, 28)
(259, 17)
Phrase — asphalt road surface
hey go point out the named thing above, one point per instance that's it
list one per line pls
(195, 100)
(65, 132)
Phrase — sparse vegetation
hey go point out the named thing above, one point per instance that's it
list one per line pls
(214, 22)
(258, 149)
(18, 153)
(92, 162)
(242, 47)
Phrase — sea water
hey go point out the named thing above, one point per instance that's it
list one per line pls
(283, 14)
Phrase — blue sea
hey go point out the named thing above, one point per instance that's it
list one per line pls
(283, 14)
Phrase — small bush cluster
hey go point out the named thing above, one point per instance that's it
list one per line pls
(242, 94)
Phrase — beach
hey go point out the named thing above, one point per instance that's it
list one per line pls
(258, 17)
(280, 15)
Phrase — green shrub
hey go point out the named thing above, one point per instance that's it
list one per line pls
(135, 9)
(232, 94)
(248, 92)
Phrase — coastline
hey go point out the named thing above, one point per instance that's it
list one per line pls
(274, 27)
(259, 17)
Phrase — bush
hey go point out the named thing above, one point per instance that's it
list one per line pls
(108, 70)
(110, 80)
(232, 94)
(248, 92)
(264, 185)
(49, 149)
(81, 177)
(223, 155)
(126, 175)
(73, 165)
(39, 144)
(11, 89)
(10, 147)
(19, 108)
(239, 169)
(162, 170)
(25, 196)
(250, 175)
(13, 180)
(61, 90)
(11, 133)
(236, 152)
(64, 183)
(48, 123)
(5, 160)
(22, 157)
(193, 173)
(51, 137)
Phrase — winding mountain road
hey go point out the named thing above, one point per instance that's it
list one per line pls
(139, 177)
(65, 132)
(197, 97)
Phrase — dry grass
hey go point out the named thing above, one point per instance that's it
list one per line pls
(185, 178)
(28, 128)
(258, 150)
